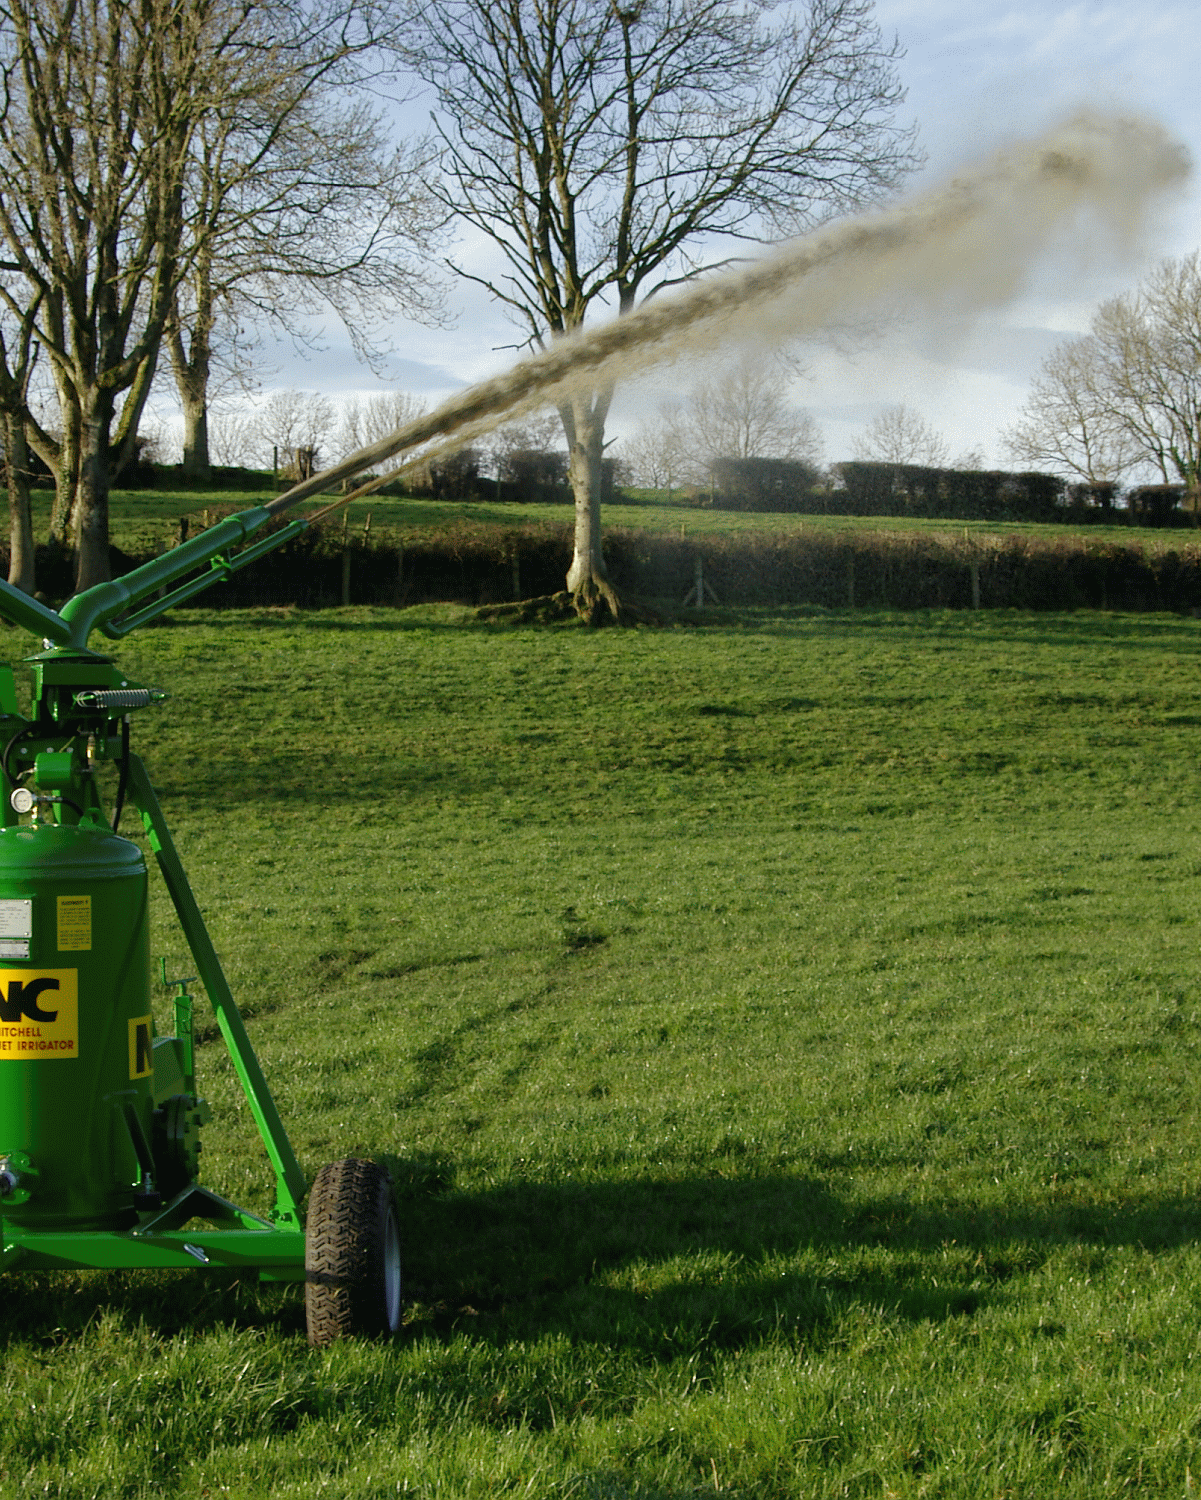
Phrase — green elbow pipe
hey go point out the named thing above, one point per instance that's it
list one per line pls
(95, 606)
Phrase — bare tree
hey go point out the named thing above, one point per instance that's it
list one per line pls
(109, 198)
(374, 418)
(741, 412)
(656, 455)
(745, 413)
(296, 426)
(158, 440)
(599, 145)
(90, 216)
(1068, 424)
(900, 435)
(1150, 346)
(232, 436)
(1126, 397)
(16, 369)
(537, 433)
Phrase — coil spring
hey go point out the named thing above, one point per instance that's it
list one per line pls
(124, 698)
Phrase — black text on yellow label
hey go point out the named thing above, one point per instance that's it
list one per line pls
(74, 924)
(141, 1047)
(39, 1014)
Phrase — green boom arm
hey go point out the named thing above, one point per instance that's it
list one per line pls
(111, 607)
(104, 605)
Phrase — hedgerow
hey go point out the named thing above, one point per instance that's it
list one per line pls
(474, 563)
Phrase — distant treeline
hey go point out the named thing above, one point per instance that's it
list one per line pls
(836, 569)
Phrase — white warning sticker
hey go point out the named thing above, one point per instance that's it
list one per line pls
(16, 928)
(16, 919)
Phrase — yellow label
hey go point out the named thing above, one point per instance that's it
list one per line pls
(74, 924)
(39, 1014)
(141, 1047)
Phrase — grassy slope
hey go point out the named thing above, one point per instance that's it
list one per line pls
(785, 1037)
(143, 519)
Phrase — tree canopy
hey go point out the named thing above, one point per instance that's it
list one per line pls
(142, 149)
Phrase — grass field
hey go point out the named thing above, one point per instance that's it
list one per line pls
(784, 1037)
(145, 519)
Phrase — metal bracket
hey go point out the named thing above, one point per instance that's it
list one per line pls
(290, 1182)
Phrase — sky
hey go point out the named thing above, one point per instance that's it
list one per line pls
(978, 76)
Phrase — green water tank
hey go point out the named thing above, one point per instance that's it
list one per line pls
(76, 1035)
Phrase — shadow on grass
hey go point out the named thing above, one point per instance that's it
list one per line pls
(58, 1308)
(663, 1264)
(661, 1267)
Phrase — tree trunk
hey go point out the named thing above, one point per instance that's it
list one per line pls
(588, 581)
(90, 512)
(196, 464)
(66, 470)
(191, 370)
(20, 519)
(191, 364)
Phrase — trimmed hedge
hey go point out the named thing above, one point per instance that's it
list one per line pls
(479, 564)
(875, 489)
(839, 569)
(764, 484)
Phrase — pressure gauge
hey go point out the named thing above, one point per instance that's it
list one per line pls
(22, 800)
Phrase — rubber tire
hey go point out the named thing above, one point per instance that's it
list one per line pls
(351, 1254)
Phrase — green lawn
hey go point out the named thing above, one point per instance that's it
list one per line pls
(784, 1037)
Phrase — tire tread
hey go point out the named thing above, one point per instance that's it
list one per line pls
(344, 1251)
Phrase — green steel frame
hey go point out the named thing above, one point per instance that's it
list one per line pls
(82, 695)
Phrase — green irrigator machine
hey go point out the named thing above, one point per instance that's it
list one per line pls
(100, 1120)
